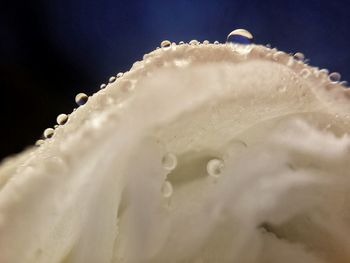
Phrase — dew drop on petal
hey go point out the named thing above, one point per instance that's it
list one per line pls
(206, 42)
(167, 189)
(39, 142)
(62, 119)
(48, 133)
(165, 44)
(216, 42)
(81, 99)
(334, 77)
(169, 161)
(215, 167)
(103, 86)
(299, 56)
(240, 36)
(194, 42)
(111, 79)
(119, 75)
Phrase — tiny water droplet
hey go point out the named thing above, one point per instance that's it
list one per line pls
(194, 42)
(165, 44)
(240, 36)
(48, 133)
(103, 86)
(39, 142)
(119, 75)
(81, 99)
(62, 119)
(268, 45)
(167, 189)
(55, 126)
(169, 161)
(206, 42)
(181, 43)
(215, 167)
(111, 79)
(334, 77)
(305, 73)
(344, 83)
(299, 56)
(216, 42)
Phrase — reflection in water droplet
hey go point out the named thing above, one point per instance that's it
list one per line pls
(111, 79)
(62, 119)
(103, 86)
(81, 99)
(215, 167)
(299, 56)
(169, 161)
(167, 189)
(165, 44)
(240, 36)
(334, 77)
(48, 133)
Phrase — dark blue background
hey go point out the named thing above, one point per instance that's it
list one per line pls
(50, 50)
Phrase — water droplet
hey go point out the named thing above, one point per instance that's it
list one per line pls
(194, 42)
(268, 45)
(167, 189)
(119, 75)
(111, 79)
(216, 42)
(181, 43)
(39, 142)
(305, 73)
(169, 161)
(55, 126)
(334, 77)
(62, 119)
(206, 42)
(103, 86)
(165, 44)
(48, 133)
(299, 56)
(240, 36)
(215, 167)
(344, 83)
(81, 99)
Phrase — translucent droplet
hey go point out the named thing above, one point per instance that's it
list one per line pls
(103, 86)
(194, 42)
(55, 126)
(215, 167)
(48, 133)
(119, 75)
(206, 42)
(240, 36)
(299, 56)
(305, 73)
(167, 189)
(216, 42)
(81, 99)
(169, 161)
(334, 77)
(181, 43)
(165, 44)
(111, 79)
(62, 119)
(39, 142)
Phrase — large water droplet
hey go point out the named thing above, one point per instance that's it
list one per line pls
(169, 161)
(62, 119)
(165, 44)
(81, 99)
(167, 189)
(215, 167)
(240, 36)
(334, 77)
(48, 133)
